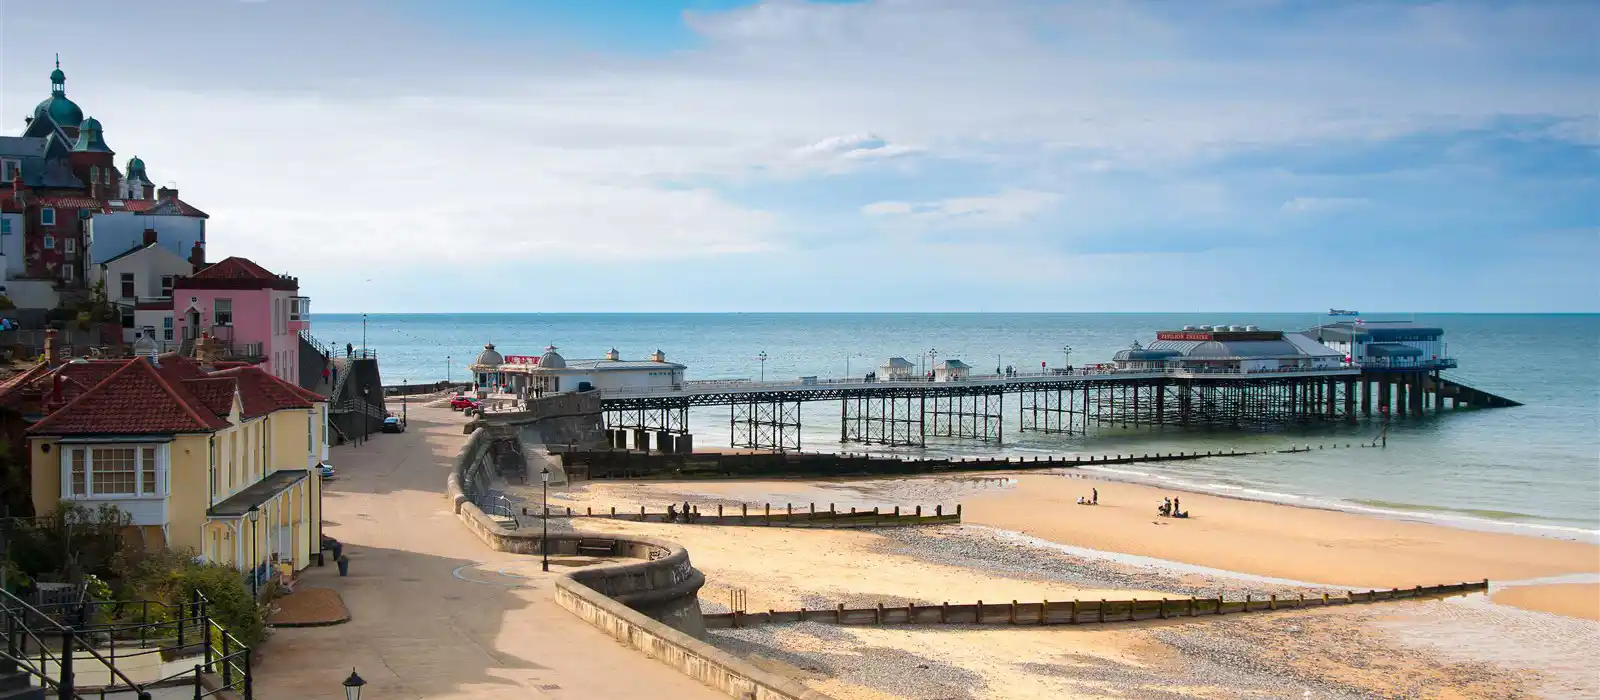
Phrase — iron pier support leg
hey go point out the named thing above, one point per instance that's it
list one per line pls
(1400, 397)
(1383, 394)
(843, 419)
(1419, 399)
(1366, 397)
(1438, 394)
(1349, 400)
(922, 419)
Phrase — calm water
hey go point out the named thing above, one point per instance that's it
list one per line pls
(1536, 467)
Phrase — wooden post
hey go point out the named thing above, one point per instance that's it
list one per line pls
(1133, 603)
(838, 614)
(1073, 620)
(1219, 604)
(897, 512)
(877, 614)
(1324, 600)
(1163, 613)
(1247, 602)
(1102, 609)
(958, 511)
(813, 510)
(569, 511)
(641, 514)
(919, 511)
(719, 510)
(613, 512)
(1044, 612)
(589, 512)
(1013, 618)
(1191, 606)
(1272, 604)
(768, 514)
(944, 612)
(744, 513)
(938, 510)
(790, 508)
(1302, 602)
(802, 613)
(911, 613)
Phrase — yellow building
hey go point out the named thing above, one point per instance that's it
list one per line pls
(221, 461)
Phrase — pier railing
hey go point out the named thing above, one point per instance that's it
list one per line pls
(712, 386)
(787, 515)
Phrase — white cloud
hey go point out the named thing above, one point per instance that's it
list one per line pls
(1312, 206)
(1001, 209)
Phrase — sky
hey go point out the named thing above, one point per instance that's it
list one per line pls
(881, 155)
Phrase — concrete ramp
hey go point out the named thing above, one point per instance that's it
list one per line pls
(1463, 394)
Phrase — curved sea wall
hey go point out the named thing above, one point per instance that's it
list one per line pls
(649, 600)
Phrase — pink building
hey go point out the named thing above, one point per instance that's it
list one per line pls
(255, 314)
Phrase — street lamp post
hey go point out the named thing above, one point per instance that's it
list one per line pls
(254, 516)
(1066, 350)
(447, 371)
(352, 686)
(405, 400)
(544, 519)
(366, 412)
(763, 358)
(933, 357)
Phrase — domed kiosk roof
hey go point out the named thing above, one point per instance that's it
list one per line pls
(489, 356)
(551, 359)
(61, 111)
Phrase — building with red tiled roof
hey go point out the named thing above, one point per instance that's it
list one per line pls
(61, 188)
(254, 313)
(194, 456)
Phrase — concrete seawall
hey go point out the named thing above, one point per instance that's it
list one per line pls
(649, 600)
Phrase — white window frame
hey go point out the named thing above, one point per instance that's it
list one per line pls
(47, 216)
(167, 282)
(215, 319)
(162, 464)
(8, 169)
(125, 282)
(67, 273)
(69, 245)
(166, 328)
(5, 226)
(49, 242)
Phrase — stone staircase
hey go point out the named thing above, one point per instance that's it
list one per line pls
(16, 684)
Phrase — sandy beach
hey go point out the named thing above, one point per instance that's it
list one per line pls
(1580, 600)
(1024, 538)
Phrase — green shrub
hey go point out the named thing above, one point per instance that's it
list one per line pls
(174, 576)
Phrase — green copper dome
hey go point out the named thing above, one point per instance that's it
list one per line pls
(60, 110)
(136, 168)
(89, 138)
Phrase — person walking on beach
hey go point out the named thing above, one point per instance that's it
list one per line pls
(1176, 509)
(1094, 499)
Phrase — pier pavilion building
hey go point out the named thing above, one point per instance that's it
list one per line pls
(551, 373)
(1230, 349)
(1379, 345)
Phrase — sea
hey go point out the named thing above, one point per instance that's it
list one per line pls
(1533, 469)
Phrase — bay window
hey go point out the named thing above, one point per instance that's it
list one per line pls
(114, 471)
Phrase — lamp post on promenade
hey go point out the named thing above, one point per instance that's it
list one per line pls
(933, 357)
(763, 358)
(544, 519)
(1066, 351)
(254, 515)
(405, 400)
(352, 686)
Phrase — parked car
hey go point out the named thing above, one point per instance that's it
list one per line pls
(326, 470)
(393, 425)
(461, 402)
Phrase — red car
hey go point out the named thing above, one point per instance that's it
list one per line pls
(465, 402)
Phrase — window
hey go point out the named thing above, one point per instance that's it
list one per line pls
(113, 472)
(147, 470)
(5, 226)
(49, 242)
(94, 174)
(80, 474)
(166, 285)
(67, 273)
(127, 316)
(47, 216)
(70, 245)
(8, 170)
(222, 312)
(166, 328)
(128, 290)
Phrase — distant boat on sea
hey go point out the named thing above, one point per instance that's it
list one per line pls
(1343, 312)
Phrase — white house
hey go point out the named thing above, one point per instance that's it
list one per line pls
(138, 282)
(110, 234)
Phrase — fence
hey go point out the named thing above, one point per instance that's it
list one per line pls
(807, 516)
(1073, 612)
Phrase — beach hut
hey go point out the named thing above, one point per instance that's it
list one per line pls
(897, 369)
(952, 371)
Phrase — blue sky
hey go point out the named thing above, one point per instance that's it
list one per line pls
(894, 155)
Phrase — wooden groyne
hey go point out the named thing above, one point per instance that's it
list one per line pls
(1074, 612)
(634, 464)
(808, 516)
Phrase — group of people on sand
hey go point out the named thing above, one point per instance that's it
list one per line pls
(1091, 500)
(1171, 509)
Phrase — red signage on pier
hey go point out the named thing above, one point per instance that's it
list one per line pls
(522, 359)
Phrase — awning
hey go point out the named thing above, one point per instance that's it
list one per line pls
(258, 493)
(1392, 350)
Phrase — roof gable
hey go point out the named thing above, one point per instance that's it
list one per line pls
(261, 393)
(235, 268)
(136, 399)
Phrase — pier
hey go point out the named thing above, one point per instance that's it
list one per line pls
(1226, 376)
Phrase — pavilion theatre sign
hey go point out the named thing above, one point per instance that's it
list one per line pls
(1219, 335)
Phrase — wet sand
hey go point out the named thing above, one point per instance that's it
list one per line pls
(1579, 600)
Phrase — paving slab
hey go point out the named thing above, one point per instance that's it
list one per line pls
(434, 613)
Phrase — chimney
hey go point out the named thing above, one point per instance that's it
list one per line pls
(50, 347)
(149, 236)
(55, 390)
(197, 256)
(167, 193)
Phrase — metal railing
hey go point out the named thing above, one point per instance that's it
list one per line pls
(496, 505)
(176, 628)
(745, 385)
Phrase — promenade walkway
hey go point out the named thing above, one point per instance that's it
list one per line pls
(435, 614)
